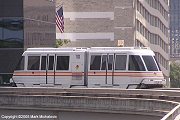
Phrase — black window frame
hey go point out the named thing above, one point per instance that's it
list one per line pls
(110, 61)
(104, 61)
(51, 62)
(66, 62)
(38, 67)
(43, 62)
(150, 63)
(138, 64)
(95, 67)
(121, 64)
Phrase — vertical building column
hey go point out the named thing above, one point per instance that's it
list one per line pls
(124, 22)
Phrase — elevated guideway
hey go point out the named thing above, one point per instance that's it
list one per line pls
(91, 103)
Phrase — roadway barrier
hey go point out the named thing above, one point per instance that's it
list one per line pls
(164, 103)
(90, 104)
(173, 114)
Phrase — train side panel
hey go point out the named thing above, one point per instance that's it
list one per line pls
(61, 69)
(93, 67)
(124, 70)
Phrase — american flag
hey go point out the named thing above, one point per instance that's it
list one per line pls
(60, 19)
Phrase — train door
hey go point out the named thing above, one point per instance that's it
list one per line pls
(110, 69)
(101, 70)
(120, 66)
(77, 67)
(48, 64)
(107, 67)
(62, 72)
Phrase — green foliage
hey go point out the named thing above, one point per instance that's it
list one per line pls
(62, 42)
(175, 74)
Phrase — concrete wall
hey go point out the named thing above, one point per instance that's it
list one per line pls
(89, 104)
(68, 104)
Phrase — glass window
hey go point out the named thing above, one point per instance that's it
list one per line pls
(1, 29)
(120, 63)
(157, 62)
(51, 63)
(95, 62)
(43, 63)
(12, 33)
(104, 59)
(135, 63)
(62, 63)
(20, 65)
(110, 62)
(150, 63)
(33, 62)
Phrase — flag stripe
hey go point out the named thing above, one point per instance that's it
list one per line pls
(60, 19)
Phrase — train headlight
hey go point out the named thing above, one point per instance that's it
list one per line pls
(153, 81)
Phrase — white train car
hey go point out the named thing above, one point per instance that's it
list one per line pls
(118, 67)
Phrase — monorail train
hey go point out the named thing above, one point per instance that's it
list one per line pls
(96, 67)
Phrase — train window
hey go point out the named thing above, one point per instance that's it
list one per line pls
(62, 63)
(157, 63)
(110, 62)
(120, 63)
(104, 59)
(43, 63)
(20, 65)
(95, 62)
(33, 62)
(135, 63)
(150, 63)
(51, 63)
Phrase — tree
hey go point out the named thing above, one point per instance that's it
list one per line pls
(61, 42)
(175, 74)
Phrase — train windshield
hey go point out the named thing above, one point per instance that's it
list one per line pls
(20, 65)
(150, 63)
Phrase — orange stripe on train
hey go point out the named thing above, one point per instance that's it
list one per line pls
(44, 73)
(130, 74)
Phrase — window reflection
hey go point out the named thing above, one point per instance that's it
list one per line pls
(11, 33)
(1, 27)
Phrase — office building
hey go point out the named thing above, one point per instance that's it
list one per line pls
(174, 11)
(23, 23)
(96, 23)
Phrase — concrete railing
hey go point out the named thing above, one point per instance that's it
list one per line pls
(145, 102)
(89, 104)
(173, 114)
(159, 92)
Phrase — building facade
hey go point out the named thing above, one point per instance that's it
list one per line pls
(174, 11)
(23, 23)
(90, 23)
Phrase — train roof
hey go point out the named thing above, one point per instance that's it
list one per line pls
(57, 49)
(125, 50)
(131, 50)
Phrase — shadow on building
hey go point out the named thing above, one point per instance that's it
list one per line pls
(23, 24)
